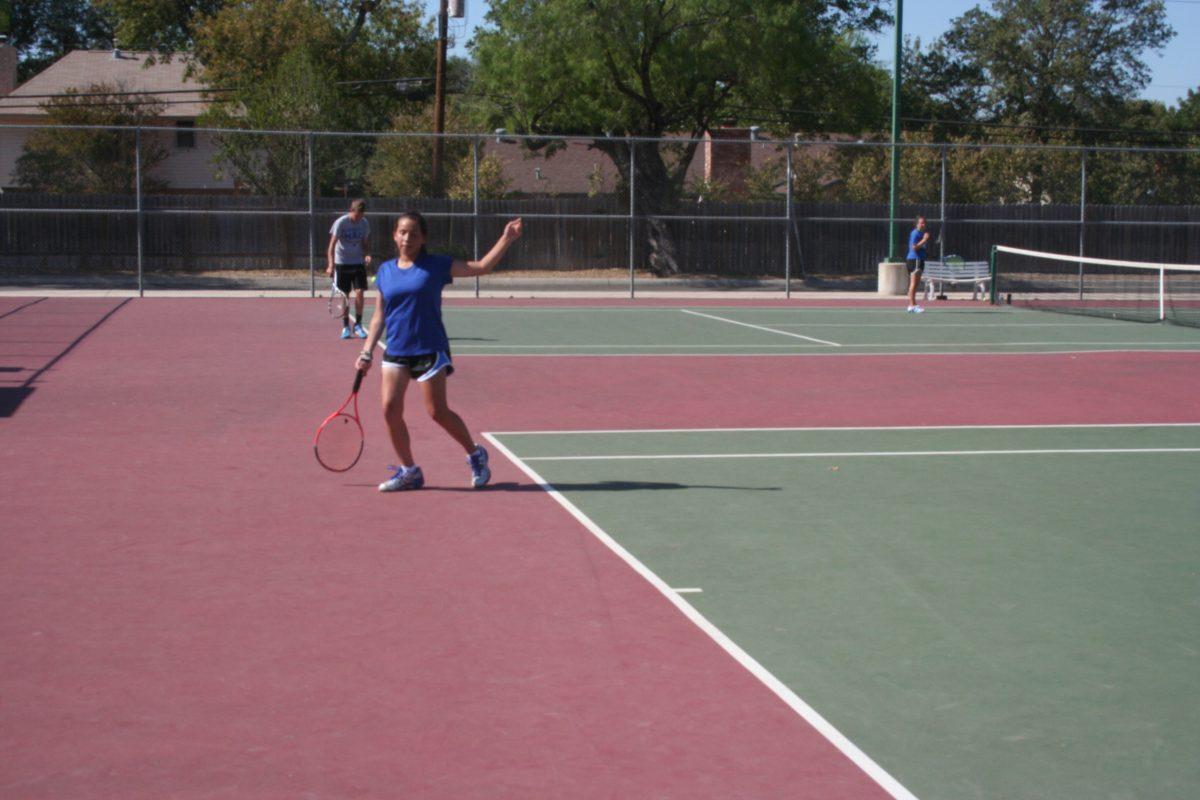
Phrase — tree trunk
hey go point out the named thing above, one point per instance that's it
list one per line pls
(657, 187)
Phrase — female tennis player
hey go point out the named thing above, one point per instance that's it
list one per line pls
(409, 311)
(918, 237)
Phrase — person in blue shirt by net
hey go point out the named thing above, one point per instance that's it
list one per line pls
(409, 318)
(915, 261)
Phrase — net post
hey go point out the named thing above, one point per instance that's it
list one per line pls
(992, 266)
(1162, 293)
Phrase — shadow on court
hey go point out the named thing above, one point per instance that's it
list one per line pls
(593, 486)
(11, 397)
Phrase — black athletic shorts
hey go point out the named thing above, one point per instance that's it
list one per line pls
(350, 276)
(915, 264)
(421, 364)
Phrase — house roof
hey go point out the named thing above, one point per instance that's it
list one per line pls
(82, 68)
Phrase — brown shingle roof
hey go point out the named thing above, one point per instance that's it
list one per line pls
(82, 68)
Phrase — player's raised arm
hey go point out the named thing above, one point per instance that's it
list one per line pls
(467, 269)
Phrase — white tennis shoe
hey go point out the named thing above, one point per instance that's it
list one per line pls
(478, 461)
(403, 479)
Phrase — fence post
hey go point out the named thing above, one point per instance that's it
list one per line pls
(475, 206)
(787, 230)
(632, 215)
(312, 220)
(942, 213)
(137, 180)
(1082, 212)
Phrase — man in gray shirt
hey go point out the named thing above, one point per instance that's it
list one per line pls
(347, 259)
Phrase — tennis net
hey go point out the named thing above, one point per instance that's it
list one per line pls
(1132, 290)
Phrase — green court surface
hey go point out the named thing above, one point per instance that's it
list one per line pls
(1009, 613)
(597, 330)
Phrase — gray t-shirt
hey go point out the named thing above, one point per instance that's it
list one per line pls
(350, 237)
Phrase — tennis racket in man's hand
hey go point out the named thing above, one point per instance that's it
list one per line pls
(338, 302)
(339, 440)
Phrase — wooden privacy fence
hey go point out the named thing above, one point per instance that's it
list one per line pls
(89, 234)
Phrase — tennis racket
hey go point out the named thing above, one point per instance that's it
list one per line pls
(338, 302)
(339, 440)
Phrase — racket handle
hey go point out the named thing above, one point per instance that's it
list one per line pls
(358, 376)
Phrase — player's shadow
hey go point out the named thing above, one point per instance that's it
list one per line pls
(602, 486)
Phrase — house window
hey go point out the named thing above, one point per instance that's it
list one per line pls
(184, 135)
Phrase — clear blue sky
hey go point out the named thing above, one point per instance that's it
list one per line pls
(1174, 70)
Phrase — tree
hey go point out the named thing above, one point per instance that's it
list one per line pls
(1048, 64)
(163, 26)
(44, 31)
(400, 167)
(85, 160)
(1050, 71)
(307, 65)
(652, 68)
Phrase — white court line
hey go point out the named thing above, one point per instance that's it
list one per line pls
(758, 327)
(1151, 348)
(870, 454)
(688, 590)
(890, 345)
(941, 325)
(810, 715)
(871, 428)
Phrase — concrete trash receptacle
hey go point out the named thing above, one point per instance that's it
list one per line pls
(893, 278)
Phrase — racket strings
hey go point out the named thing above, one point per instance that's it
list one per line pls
(339, 443)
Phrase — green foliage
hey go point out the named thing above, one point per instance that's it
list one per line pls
(44, 31)
(708, 189)
(766, 182)
(306, 65)
(1051, 65)
(642, 67)
(72, 160)
(164, 26)
(293, 97)
(649, 68)
(492, 183)
(402, 166)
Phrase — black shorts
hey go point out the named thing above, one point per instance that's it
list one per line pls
(421, 365)
(350, 276)
(915, 264)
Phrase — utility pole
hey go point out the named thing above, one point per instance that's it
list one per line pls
(894, 196)
(439, 102)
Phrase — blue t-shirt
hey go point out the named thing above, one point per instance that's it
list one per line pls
(913, 238)
(412, 305)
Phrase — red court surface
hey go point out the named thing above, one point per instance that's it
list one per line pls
(192, 608)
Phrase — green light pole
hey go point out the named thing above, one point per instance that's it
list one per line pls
(894, 196)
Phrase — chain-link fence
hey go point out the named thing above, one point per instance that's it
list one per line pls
(158, 208)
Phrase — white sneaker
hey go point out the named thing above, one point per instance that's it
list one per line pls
(918, 310)
(403, 479)
(910, 310)
(478, 461)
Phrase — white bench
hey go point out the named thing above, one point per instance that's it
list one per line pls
(952, 270)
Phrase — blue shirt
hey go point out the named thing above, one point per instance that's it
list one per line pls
(913, 238)
(412, 305)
